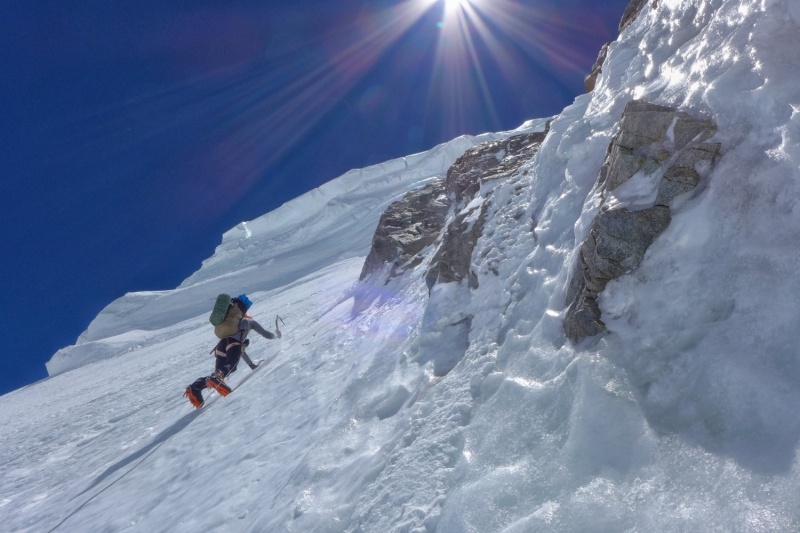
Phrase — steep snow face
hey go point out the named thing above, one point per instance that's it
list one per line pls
(704, 326)
(681, 418)
(332, 222)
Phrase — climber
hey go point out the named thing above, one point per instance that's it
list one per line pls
(233, 333)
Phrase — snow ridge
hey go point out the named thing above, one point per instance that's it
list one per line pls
(332, 222)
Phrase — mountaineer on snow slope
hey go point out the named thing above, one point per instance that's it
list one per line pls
(232, 324)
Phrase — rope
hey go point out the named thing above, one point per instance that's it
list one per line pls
(148, 454)
(84, 504)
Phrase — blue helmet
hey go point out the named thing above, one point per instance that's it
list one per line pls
(245, 301)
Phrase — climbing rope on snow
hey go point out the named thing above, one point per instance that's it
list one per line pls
(84, 504)
(277, 327)
(148, 454)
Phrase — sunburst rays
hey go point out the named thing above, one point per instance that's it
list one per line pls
(271, 110)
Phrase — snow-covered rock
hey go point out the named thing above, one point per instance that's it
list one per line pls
(657, 157)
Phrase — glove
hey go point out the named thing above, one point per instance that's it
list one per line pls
(246, 343)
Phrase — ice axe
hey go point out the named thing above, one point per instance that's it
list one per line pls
(277, 327)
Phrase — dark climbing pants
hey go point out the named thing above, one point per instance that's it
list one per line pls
(227, 353)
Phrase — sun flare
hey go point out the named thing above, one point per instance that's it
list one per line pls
(464, 45)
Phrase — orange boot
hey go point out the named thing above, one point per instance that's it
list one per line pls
(216, 382)
(195, 397)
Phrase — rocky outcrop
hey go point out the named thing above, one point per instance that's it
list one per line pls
(658, 154)
(591, 79)
(415, 224)
(413, 230)
(406, 228)
(453, 259)
(632, 11)
(488, 161)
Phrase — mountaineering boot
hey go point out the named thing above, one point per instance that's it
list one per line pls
(196, 397)
(215, 382)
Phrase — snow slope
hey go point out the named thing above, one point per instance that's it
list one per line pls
(332, 222)
(681, 418)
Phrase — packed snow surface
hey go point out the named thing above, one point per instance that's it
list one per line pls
(466, 410)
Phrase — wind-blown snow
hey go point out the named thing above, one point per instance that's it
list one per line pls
(682, 418)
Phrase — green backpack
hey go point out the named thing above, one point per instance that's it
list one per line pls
(220, 309)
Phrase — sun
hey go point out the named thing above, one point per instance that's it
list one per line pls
(456, 4)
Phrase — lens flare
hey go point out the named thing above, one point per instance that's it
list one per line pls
(455, 4)
(272, 108)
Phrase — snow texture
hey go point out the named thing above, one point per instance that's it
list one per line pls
(467, 410)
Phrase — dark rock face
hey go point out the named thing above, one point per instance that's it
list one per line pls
(414, 223)
(488, 161)
(405, 229)
(453, 259)
(631, 12)
(655, 143)
(591, 79)
(413, 230)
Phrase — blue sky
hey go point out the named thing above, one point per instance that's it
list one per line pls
(136, 133)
